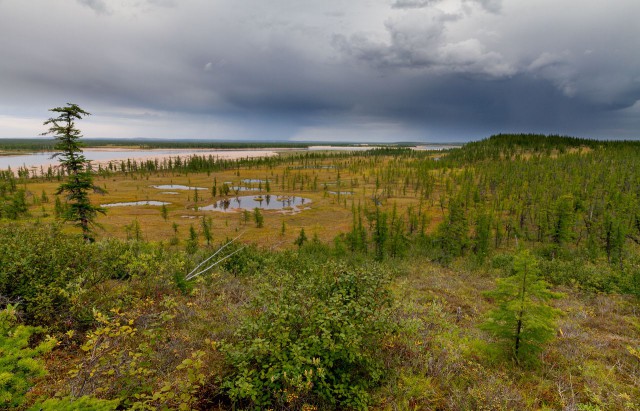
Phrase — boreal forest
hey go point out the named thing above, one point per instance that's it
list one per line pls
(501, 275)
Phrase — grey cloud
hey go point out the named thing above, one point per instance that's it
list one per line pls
(99, 6)
(602, 82)
(413, 4)
(454, 69)
(163, 3)
(492, 6)
(558, 69)
(417, 41)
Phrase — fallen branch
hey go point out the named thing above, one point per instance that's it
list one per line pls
(193, 272)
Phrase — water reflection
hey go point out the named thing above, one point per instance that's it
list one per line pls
(238, 188)
(177, 187)
(136, 203)
(263, 202)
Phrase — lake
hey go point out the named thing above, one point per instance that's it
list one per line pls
(43, 159)
(104, 155)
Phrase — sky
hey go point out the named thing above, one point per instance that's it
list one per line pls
(323, 70)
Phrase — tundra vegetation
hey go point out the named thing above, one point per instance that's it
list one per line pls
(501, 275)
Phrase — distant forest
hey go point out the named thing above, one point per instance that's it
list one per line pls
(40, 144)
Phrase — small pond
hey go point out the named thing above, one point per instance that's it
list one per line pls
(235, 188)
(250, 180)
(177, 187)
(136, 203)
(340, 192)
(266, 202)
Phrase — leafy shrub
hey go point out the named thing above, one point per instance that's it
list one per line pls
(122, 358)
(502, 261)
(246, 262)
(588, 276)
(39, 266)
(315, 339)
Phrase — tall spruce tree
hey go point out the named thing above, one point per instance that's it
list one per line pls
(79, 178)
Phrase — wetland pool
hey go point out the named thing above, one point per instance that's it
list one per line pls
(136, 203)
(266, 202)
(177, 187)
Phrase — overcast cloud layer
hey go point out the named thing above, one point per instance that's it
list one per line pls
(358, 70)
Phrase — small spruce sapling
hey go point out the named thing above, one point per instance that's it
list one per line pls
(302, 238)
(258, 217)
(522, 320)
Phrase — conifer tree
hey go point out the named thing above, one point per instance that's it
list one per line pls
(522, 320)
(482, 235)
(381, 233)
(453, 232)
(164, 212)
(79, 178)
(258, 217)
(302, 238)
(206, 229)
(192, 242)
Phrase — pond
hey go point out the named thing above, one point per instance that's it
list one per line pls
(136, 203)
(177, 187)
(236, 188)
(266, 202)
(341, 192)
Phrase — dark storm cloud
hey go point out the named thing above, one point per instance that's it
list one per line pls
(377, 69)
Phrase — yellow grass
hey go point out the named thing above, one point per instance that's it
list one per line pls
(329, 214)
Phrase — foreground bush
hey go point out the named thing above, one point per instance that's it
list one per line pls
(39, 267)
(19, 363)
(313, 341)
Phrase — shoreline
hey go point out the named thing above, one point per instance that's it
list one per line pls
(44, 162)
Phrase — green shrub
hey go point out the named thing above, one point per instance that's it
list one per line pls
(246, 262)
(588, 276)
(39, 267)
(85, 403)
(502, 261)
(18, 362)
(316, 339)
